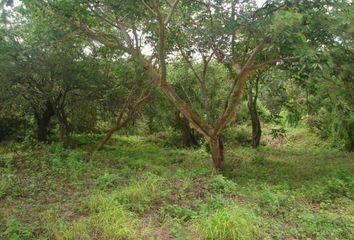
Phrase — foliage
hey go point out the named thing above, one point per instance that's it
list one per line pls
(219, 184)
(294, 190)
(183, 82)
(15, 231)
(140, 193)
(227, 223)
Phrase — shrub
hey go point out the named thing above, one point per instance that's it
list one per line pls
(220, 184)
(273, 201)
(229, 223)
(238, 134)
(278, 133)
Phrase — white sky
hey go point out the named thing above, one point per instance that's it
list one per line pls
(260, 2)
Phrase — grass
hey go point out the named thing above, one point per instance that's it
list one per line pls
(140, 188)
(228, 223)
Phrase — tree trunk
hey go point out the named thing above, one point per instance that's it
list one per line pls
(43, 120)
(105, 139)
(64, 134)
(216, 145)
(252, 107)
(256, 125)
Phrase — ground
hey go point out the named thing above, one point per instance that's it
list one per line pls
(143, 188)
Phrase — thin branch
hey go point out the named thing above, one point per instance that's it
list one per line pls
(185, 57)
(148, 7)
(267, 63)
(173, 8)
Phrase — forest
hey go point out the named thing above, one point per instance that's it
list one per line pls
(176, 119)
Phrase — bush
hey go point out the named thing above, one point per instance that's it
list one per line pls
(220, 184)
(12, 128)
(239, 135)
(273, 202)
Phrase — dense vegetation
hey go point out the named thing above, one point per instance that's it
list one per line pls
(149, 119)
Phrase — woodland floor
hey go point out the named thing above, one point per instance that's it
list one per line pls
(141, 188)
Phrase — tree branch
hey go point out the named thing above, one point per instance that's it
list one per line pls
(173, 8)
(267, 63)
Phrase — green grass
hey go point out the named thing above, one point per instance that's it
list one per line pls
(139, 188)
(228, 223)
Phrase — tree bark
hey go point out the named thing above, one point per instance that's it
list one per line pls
(256, 125)
(216, 145)
(252, 107)
(121, 122)
(105, 139)
(43, 120)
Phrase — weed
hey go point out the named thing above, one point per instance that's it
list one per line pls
(259, 160)
(178, 233)
(220, 184)
(107, 219)
(325, 225)
(117, 223)
(273, 201)
(176, 211)
(107, 180)
(101, 201)
(141, 192)
(7, 181)
(79, 230)
(228, 223)
(14, 231)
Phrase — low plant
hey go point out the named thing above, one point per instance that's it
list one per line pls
(141, 192)
(14, 231)
(325, 225)
(7, 181)
(228, 223)
(220, 184)
(106, 219)
(107, 180)
(176, 211)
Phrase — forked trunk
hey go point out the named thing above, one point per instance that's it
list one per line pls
(216, 145)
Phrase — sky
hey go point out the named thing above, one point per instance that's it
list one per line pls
(260, 2)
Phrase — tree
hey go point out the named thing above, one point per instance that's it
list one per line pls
(253, 90)
(127, 27)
